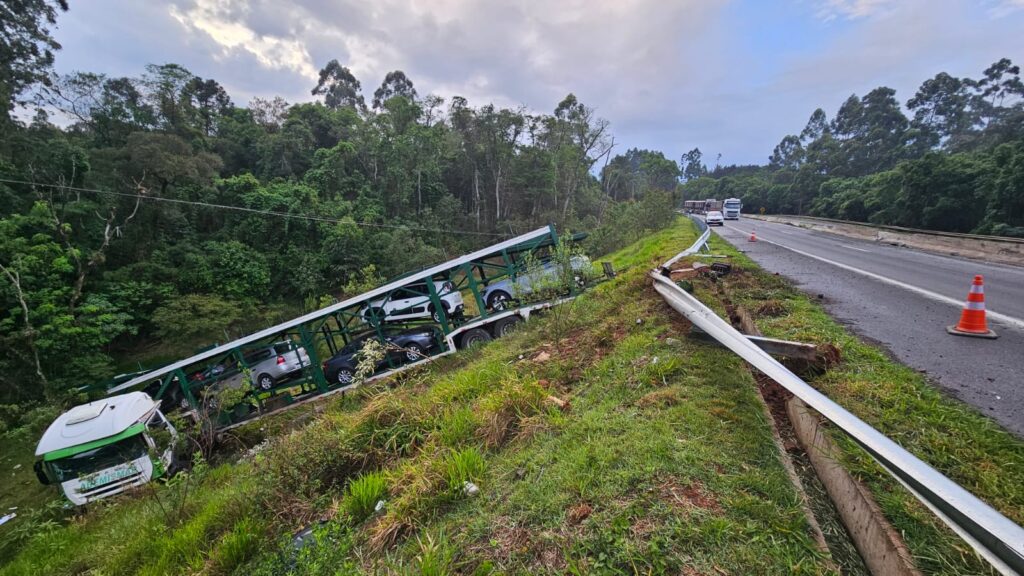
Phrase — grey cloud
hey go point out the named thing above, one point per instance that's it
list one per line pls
(668, 75)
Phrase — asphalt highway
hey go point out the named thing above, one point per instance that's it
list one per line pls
(903, 299)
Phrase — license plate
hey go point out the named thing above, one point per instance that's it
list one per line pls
(108, 476)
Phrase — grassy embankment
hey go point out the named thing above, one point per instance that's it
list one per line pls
(663, 463)
(951, 436)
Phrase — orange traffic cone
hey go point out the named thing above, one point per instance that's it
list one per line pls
(753, 237)
(972, 319)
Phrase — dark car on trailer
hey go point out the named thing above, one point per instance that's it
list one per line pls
(403, 347)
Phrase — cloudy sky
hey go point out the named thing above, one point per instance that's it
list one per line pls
(731, 77)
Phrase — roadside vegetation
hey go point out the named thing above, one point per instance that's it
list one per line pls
(956, 164)
(596, 439)
(966, 446)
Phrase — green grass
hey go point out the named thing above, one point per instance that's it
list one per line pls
(363, 494)
(951, 436)
(662, 462)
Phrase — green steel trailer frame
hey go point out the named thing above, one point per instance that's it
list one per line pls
(323, 332)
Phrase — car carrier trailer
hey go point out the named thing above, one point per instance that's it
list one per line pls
(315, 337)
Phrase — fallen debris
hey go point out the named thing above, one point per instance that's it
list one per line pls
(562, 405)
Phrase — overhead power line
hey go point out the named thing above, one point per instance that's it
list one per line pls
(253, 210)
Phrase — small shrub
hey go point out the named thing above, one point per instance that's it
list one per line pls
(463, 466)
(363, 494)
(456, 427)
(237, 546)
(435, 557)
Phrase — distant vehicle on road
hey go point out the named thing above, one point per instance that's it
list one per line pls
(403, 347)
(412, 302)
(499, 295)
(714, 218)
(711, 205)
(731, 208)
(693, 206)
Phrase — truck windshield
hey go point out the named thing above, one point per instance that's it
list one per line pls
(732, 204)
(90, 461)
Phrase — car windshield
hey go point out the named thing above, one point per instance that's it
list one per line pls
(84, 463)
(282, 347)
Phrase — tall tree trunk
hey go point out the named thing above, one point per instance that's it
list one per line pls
(497, 197)
(476, 195)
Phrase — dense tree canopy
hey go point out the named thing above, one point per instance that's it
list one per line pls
(155, 214)
(955, 164)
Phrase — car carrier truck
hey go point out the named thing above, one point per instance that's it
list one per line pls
(106, 447)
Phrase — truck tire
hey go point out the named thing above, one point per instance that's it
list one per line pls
(506, 325)
(474, 337)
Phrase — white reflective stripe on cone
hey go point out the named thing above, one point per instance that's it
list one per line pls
(975, 306)
(977, 289)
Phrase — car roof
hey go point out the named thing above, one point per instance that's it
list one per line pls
(95, 421)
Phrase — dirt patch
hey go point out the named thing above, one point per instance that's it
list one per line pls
(771, 309)
(508, 541)
(687, 496)
(549, 556)
(662, 398)
(578, 513)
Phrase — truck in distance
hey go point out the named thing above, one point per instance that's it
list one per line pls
(731, 208)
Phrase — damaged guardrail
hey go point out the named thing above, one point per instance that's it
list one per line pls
(697, 245)
(996, 538)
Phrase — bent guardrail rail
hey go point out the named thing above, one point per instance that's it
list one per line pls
(995, 537)
(697, 245)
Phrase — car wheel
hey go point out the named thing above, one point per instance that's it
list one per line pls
(499, 300)
(265, 381)
(474, 337)
(437, 315)
(346, 376)
(414, 352)
(505, 326)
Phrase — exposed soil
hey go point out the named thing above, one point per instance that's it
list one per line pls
(578, 513)
(692, 495)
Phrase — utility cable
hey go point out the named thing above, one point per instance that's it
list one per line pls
(252, 210)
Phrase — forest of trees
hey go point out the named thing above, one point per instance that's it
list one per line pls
(134, 211)
(956, 164)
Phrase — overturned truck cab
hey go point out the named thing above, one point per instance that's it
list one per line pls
(106, 447)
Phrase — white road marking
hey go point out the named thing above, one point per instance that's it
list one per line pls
(1003, 318)
(854, 248)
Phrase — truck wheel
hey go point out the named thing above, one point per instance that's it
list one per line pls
(499, 300)
(265, 381)
(505, 326)
(474, 337)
